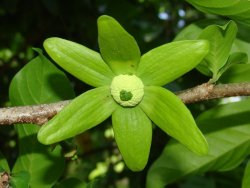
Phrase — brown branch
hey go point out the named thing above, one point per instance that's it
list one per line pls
(4, 180)
(40, 114)
(37, 114)
(210, 91)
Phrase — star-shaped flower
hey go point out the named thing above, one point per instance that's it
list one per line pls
(128, 88)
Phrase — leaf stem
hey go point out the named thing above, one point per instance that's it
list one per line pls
(40, 114)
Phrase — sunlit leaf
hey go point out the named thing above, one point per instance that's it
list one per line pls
(221, 40)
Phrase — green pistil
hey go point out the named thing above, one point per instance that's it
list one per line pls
(125, 95)
(127, 90)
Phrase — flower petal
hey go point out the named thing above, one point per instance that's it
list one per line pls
(168, 62)
(168, 112)
(84, 112)
(85, 64)
(133, 133)
(118, 48)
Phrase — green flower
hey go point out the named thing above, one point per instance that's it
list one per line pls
(128, 88)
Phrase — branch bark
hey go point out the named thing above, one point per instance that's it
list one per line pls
(36, 114)
(208, 91)
(40, 114)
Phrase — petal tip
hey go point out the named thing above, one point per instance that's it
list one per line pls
(44, 135)
(202, 149)
(136, 167)
(49, 42)
(42, 138)
(104, 18)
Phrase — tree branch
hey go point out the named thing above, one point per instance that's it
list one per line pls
(210, 91)
(37, 114)
(40, 114)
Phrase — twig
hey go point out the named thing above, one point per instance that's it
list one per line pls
(37, 114)
(4, 180)
(40, 114)
(210, 91)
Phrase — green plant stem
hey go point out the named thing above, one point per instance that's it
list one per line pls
(40, 114)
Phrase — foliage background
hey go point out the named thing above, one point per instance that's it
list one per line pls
(26, 24)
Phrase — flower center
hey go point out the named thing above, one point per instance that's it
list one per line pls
(127, 90)
(125, 96)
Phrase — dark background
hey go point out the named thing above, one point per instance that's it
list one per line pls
(26, 24)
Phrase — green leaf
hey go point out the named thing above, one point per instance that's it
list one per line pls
(71, 182)
(239, 72)
(170, 61)
(230, 8)
(96, 183)
(38, 82)
(241, 46)
(190, 32)
(238, 10)
(78, 60)
(84, 112)
(243, 18)
(20, 180)
(203, 68)
(4, 164)
(235, 58)
(236, 74)
(133, 134)
(221, 40)
(199, 181)
(214, 3)
(227, 130)
(118, 48)
(168, 112)
(246, 178)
